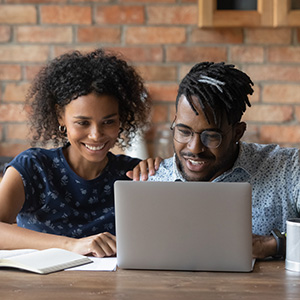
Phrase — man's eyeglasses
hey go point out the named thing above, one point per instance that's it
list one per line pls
(209, 138)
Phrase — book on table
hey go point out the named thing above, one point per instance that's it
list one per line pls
(42, 261)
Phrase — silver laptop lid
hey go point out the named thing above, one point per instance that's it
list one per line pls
(184, 226)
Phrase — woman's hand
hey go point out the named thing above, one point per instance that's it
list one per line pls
(145, 168)
(99, 245)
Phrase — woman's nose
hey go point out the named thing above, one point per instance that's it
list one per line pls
(95, 133)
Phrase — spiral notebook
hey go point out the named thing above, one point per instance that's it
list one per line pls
(43, 261)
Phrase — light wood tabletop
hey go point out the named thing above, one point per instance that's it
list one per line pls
(269, 280)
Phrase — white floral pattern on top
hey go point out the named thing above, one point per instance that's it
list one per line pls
(58, 201)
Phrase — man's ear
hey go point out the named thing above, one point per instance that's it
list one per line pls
(239, 130)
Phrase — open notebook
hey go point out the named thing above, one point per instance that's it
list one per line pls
(44, 261)
(200, 226)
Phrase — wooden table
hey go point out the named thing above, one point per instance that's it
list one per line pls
(269, 280)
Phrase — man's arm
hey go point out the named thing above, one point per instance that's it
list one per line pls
(263, 246)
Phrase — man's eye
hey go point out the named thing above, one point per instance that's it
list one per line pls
(212, 136)
(184, 132)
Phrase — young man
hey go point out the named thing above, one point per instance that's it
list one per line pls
(207, 129)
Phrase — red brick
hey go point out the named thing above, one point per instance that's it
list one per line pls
(161, 141)
(280, 134)
(17, 132)
(297, 113)
(36, 1)
(10, 72)
(184, 69)
(251, 134)
(5, 34)
(66, 14)
(254, 54)
(59, 50)
(12, 113)
(255, 97)
(18, 14)
(175, 15)
(158, 73)
(283, 54)
(148, 1)
(195, 54)
(159, 113)
(155, 35)
(117, 14)
(16, 53)
(281, 93)
(273, 72)
(162, 92)
(88, 1)
(268, 36)
(131, 54)
(15, 92)
(269, 113)
(141, 54)
(98, 34)
(12, 149)
(172, 113)
(31, 71)
(217, 35)
(37, 34)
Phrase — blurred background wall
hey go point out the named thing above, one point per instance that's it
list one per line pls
(162, 39)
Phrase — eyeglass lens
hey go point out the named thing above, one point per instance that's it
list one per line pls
(210, 139)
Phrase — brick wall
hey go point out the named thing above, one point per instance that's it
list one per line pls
(159, 37)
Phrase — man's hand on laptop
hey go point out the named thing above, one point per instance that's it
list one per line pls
(263, 246)
(145, 168)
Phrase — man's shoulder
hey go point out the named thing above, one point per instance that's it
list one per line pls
(268, 150)
(165, 171)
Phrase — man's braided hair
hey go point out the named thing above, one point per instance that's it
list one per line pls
(218, 87)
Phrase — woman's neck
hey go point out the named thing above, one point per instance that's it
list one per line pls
(82, 167)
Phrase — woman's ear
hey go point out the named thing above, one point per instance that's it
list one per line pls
(239, 130)
(59, 115)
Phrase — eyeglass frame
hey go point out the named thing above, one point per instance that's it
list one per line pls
(199, 133)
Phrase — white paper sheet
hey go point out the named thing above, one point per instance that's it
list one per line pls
(98, 264)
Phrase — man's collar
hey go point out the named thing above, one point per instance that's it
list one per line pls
(243, 160)
(176, 174)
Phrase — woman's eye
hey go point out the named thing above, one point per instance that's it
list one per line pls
(109, 122)
(82, 123)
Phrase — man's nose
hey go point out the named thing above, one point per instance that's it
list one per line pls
(195, 145)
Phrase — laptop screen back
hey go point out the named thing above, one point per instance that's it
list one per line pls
(201, 226)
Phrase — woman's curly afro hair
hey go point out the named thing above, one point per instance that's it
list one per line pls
(75, 74)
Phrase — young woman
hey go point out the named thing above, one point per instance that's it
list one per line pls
(83, 104)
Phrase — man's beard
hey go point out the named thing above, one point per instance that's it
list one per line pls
(225, 164)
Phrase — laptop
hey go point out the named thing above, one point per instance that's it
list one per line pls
(187, 226)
